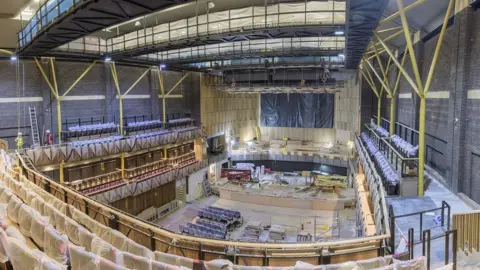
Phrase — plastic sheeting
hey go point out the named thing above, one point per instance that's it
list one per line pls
(85, 238)
(107, 251)
(13, 207)
(24, 258)
(37, 230)
(136, 262)
(297, 110)
(174, 259)
(139, 250)
(55, 245)
(72, 229)
(80, 259)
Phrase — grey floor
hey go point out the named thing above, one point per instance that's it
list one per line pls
(329, 224)
(434, 195)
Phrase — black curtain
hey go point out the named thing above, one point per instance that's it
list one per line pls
(297, 110)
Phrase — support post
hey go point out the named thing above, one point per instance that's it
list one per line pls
(62, 176)
(379, 109)
(59, 121)
(122, 164)
(421, 146)
(391, 128)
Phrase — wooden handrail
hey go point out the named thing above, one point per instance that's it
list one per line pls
(225, 243)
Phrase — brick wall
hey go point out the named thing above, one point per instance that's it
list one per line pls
(97, 85)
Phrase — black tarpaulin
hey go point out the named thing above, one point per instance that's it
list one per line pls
(297, 110)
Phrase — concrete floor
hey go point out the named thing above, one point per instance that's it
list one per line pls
(330, 224)
(434, 195)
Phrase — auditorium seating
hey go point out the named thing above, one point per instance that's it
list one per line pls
(204, 229)
(220, 215)
(101, 140)
(90, 130)
(390, 178)
(380, 130)
(143, 125)
(404, 147)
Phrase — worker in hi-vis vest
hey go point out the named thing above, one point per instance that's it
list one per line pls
(19, 140)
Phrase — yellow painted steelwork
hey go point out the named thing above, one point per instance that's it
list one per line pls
(55, 92)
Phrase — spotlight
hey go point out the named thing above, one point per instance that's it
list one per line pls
(211, 4)
(341, 55)
(138, 24)
(163, 66)
(339, 32)
(108, 59)
(13, 57)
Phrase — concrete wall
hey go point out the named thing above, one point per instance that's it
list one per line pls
(94, 96)
(453, 104)
(195, 189)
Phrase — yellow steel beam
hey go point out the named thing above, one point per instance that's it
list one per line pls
(62, 173)
(379, 107)
(178, 83)
(369, 83)
(378, 76)
(54, 76)
(395, 15)
(136, 82)
(162, 92)
(397, 83)
(113, 69)
(439, 45)
(6, 52)
(384, 72)
(402, 70)
(389, 29)
(370, 48)
(122, 165)
(45, 77)
(394, 96)
(373, 56)
(408, 39)
(78, 79)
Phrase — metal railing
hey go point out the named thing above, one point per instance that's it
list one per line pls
(242, 48)
(238, 20)
(435, 148)
(47, 13)
(247, 253)
(334, 62)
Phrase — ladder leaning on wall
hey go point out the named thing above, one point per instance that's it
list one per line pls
(34, 126)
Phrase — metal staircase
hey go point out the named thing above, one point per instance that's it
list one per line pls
(34, 126)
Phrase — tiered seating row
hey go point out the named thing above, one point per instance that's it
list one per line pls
(144, 125)
(89, 130)
(104, 248)
(202, 230)
(380, 130)
(375, 188)
(390, 177)
(405, 147)
(220, 215)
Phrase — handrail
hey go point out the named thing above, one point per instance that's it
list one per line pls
(177, 237)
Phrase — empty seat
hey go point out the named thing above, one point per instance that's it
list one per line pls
(24, 258)
(85, 238)
(80, 259)
(174, 259)
(118, 240)
(72, 229)
(13, 207)
(139, 250)
(59, 221)
(25, 216)
(136, 262)
(55, 245)
(37, 230)
(107, 251)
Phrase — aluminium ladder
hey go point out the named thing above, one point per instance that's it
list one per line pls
(34, 126)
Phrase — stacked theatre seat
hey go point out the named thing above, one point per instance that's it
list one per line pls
(90, 130)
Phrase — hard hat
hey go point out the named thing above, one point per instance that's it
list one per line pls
(48, 131)
(19, 133)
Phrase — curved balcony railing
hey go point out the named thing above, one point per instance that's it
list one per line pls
(248, 253)
(257, 47)
(49, 11)
(314, 13)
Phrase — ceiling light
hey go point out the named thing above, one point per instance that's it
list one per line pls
(339, 32)
(341, 55)
(108, 59)
(138, 24)
(163, 66)
(13, 57)
(211, 4)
